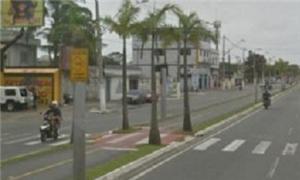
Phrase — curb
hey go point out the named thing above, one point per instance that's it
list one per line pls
(134, 168)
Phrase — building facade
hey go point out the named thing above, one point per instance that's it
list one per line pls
(203, 63)
(23, 53)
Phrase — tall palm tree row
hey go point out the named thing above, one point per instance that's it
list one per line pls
(124, 24)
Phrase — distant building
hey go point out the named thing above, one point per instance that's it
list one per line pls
(113, 80)
(23, 53)
(203, 63)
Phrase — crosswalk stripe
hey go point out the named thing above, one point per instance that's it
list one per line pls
(35, 142)
(204, 146)
(234, 145)
(290, 149)
(21, 140)
(261, 147)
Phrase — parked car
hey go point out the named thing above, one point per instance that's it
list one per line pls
(14, 97)
(136, 97)
(148, 96)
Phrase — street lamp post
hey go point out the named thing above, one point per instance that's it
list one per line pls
(255, 76)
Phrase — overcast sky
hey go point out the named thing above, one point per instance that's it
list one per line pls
(271, 25)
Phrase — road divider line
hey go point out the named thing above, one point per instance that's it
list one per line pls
(273, 168)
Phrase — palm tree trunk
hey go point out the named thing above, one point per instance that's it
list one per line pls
(178, 70)
(125, 122)
(154, 135)
(187, 125)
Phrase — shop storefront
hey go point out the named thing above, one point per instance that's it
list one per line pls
(45, 81)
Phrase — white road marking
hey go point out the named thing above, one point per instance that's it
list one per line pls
(32, 143)
(290, 131)
(273, 168)
(234, 145)
(10, 137)
(145, 140)
(290, 149)
(261, 147)
(117, 140)
(204, 146)
(60, 143)
(143, 173)
(21, 140)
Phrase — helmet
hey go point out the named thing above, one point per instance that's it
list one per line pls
(54, 102)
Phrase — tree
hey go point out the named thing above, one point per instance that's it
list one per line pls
(150, 27)
(293, 70)
(71, 24)
(281, 67)
(192, 31)
(123, 25)
(260, 64)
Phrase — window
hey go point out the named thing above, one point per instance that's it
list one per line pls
(10, 92)
(23, 92)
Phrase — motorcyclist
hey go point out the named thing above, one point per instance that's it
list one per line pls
(54, 113)
(267, 96)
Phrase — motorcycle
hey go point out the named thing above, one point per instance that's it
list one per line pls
(267, 102)
(49, 128)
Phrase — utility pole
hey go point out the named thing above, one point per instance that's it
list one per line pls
(163, 72)
(243, 67)
(101, 80)
(255, 78)
(223, 60)
(217, 26)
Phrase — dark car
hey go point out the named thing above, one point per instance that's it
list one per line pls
(136, 97)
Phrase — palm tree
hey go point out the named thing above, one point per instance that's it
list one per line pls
(192, 31)
(150, 27)
(124, 25)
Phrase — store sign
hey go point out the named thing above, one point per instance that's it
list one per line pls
(22, 13)
(79, 64)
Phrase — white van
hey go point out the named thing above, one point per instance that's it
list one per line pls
(13, 97)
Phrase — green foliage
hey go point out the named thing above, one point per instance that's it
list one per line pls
(71, 25)
(260, 63)
(125, 20)
(281, 67)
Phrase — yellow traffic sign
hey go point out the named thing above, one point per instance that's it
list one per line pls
(79, 64)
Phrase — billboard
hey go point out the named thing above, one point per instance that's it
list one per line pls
(22, 13)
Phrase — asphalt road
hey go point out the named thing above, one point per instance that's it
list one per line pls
(261, 147)
(20, 130)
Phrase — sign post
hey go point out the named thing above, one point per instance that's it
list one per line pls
(79, 74)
